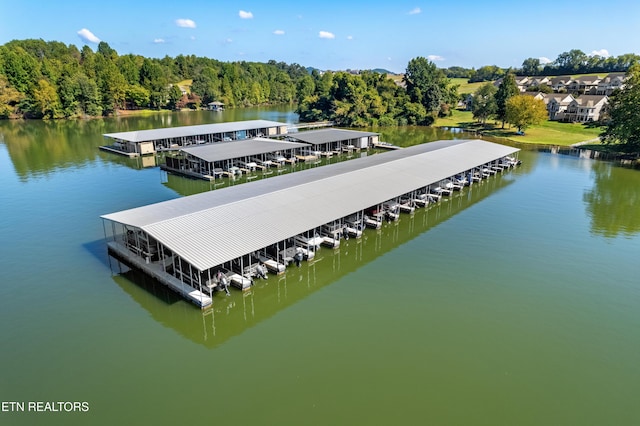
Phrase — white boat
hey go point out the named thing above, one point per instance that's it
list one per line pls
(271, 264)
(237, 280)
(314, 242)
(330, 242)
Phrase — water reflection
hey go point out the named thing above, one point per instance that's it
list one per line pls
(614, 201)
(232, 315)
(39, 147)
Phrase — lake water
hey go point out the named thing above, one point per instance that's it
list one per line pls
(515, 302)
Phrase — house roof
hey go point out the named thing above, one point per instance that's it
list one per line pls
(316, 137)
(214, 227)
(238, 149)
(591, 100)
(185, 131)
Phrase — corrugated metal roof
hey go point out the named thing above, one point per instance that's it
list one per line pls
(316, 137)
(183, 131)
(211, 228)
(238, 149)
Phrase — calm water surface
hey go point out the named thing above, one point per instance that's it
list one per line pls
(513, 303)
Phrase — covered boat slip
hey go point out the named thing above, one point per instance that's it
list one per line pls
(143, 142)
(329, 141)
(194, 237)
(211, 161)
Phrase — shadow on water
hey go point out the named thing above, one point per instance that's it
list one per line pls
(232, 315)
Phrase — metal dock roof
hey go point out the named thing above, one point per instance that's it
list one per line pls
(184, 131)
(316, 137)
(211, 228)
(242, 148)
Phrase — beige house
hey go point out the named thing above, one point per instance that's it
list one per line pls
(586, 85)
(560, 83)
(585, 108)
(611, 82)
(557, 104)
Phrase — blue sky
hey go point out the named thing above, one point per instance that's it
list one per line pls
(330, 34)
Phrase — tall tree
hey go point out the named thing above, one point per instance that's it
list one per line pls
(525, 111)
(508, 88)
(9, 98)
(426, 84)
(484, 102)
(531, 66)
(623, 129)
(46, 100)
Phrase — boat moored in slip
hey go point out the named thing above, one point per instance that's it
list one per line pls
(237, 280)
(451, 185)
(352, 227)
(271, 264)
(248, 165)
(330, 242)
(311, 242)
(373, 220)
(406, 206)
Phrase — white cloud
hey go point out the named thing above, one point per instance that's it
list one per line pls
(389, 58)
(245, 15)
(158, 40)
(326, 34)
(228, 40)
(279, 32)
(88, 36)
(434, 58)
(602, 52)
(415, 11)
(544, 60)
(185, 23)
(349, 37)
(192, 37)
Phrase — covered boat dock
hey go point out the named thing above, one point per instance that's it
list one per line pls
(229, 158)
(142, 142)
(326, 142)
(193, 240)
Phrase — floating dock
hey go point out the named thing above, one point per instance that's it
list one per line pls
(191, 238)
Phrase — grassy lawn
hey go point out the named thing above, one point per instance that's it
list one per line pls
(547, 133)
(466, 87)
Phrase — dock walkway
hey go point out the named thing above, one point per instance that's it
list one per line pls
(155, 270)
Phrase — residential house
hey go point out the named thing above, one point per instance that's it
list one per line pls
(586, 85)
(585, 108)
(611, 82)
(557, 105)
(560, 83)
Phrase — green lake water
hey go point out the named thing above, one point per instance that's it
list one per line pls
(514, 302)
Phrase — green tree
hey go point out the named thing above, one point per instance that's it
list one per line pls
(525, 111)
(531, 66)
(508, 88)
(175, 94)
(46, 100)
(623, 129)
(137, 95)
(484, 102)
(87, 95)
(426, 84)
(9, 98)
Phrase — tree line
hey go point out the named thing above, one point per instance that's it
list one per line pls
(41, 79)
(574, 61)
(370, 98)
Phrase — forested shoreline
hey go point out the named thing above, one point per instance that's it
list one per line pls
(50, 80)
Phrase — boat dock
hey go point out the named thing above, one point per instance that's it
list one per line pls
(284, 219)
(148, 142)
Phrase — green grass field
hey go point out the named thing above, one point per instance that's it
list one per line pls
(547, 133)
(465, 86)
